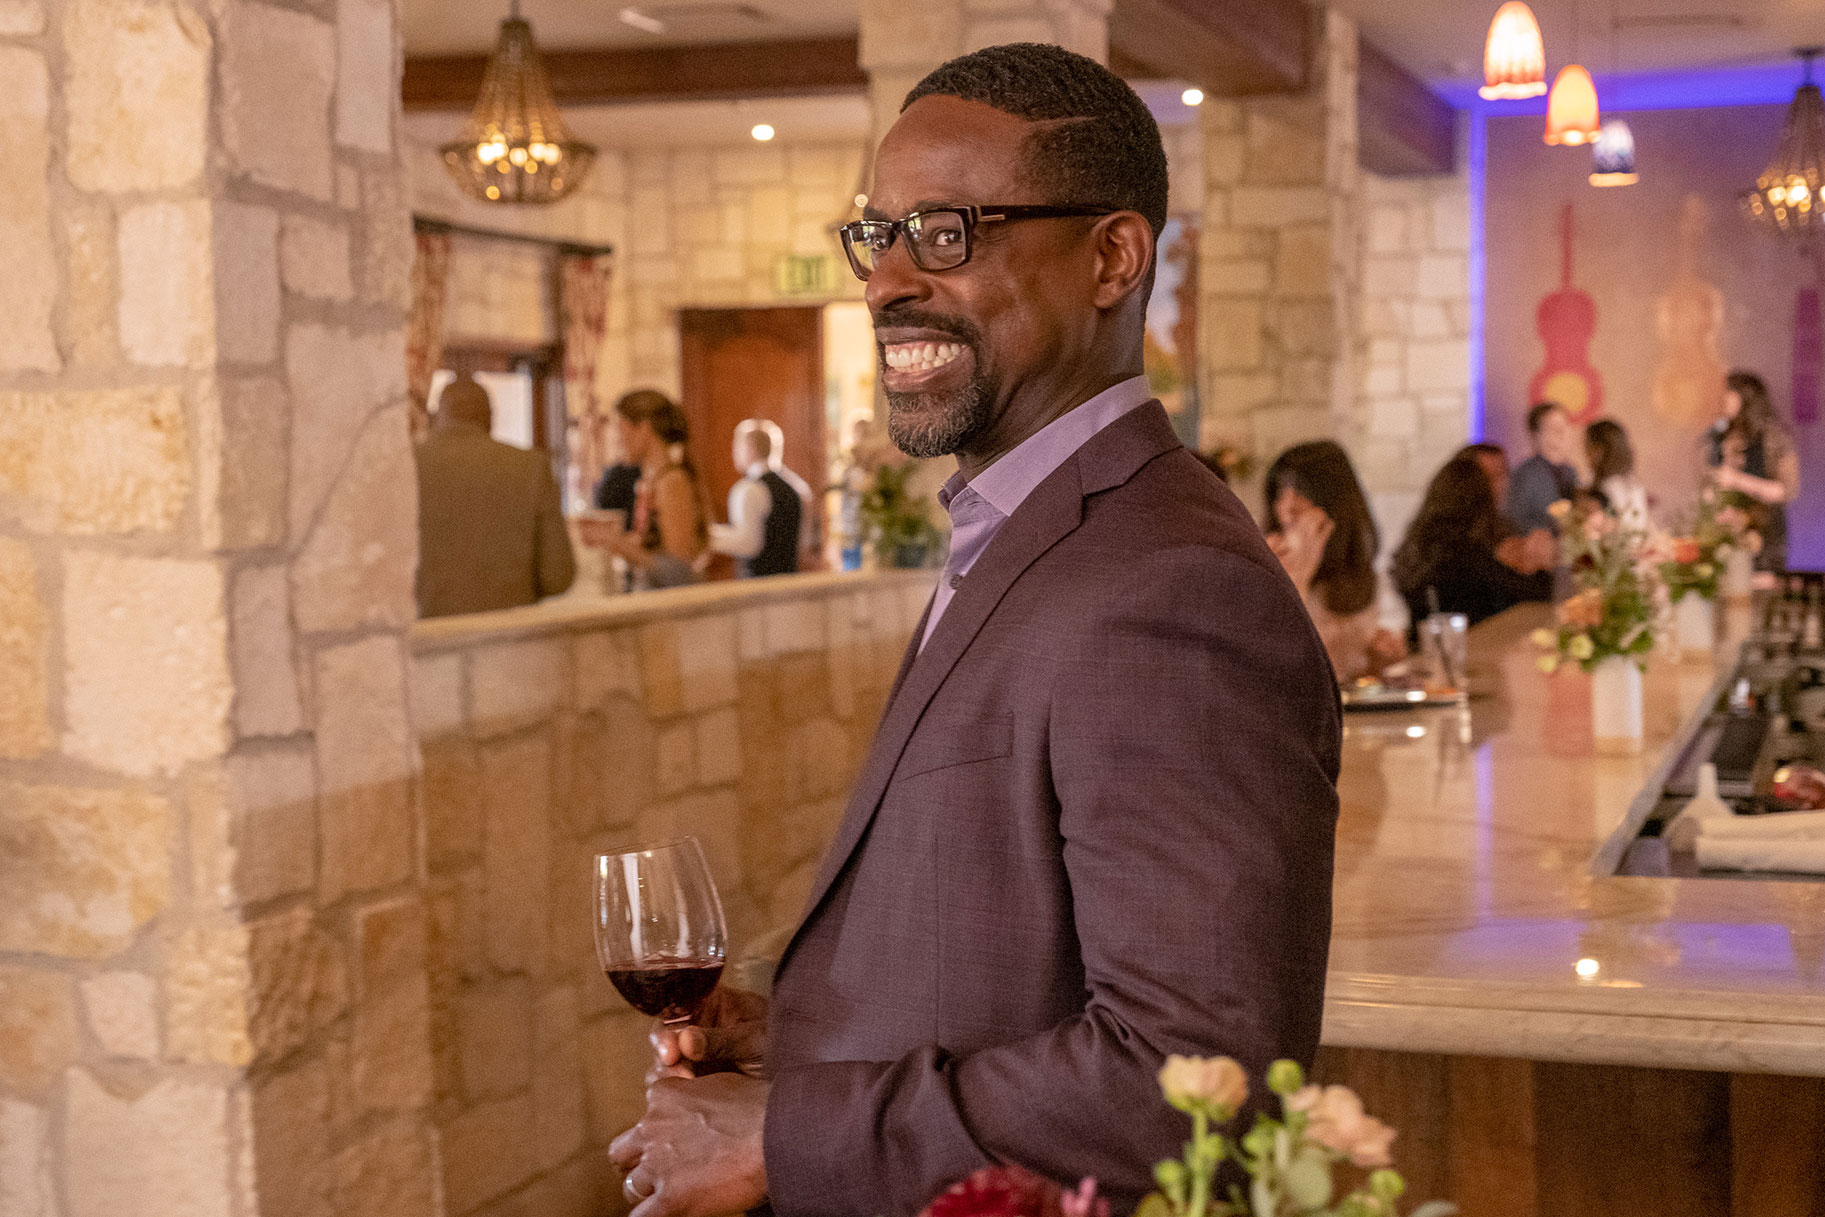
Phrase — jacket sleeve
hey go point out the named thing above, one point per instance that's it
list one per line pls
(555, 566)
(1194, 741)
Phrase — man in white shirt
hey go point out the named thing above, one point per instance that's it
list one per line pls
(766, 512)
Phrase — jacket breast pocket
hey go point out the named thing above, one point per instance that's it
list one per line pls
(932, 748)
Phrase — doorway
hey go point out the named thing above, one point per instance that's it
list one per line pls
(525, 386)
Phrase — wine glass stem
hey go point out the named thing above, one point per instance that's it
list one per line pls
(678, 1020)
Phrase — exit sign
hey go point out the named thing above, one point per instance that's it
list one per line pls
(804, 275)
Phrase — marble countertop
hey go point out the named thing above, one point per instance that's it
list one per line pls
(1469, 918)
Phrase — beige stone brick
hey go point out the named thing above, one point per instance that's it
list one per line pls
(25, 728)
(516, 850)
(251, 461)
(616, 791)
(278, 69)
(1285, 137)
(796, 627)
(387, 246)
(1389, 275)
(707, 661)
(21, 18)
(246, 283)
(1231, 334)
(138, 95)
(95, 461)
(487, 1150)
(28, 290)
(391, 1045)
(607, 666)
(266, 679)
(1450, 216)
(206, 984)
(1387, 230)
(167, 304)
(495, 1023)
(25, 1160)
(1442, 364)
(356, 566)
(718, 747)
(365, 763)
(674, 760)
(714, 818)
(387, 1174)
(89, 314)
(37, 1029)
(365, 83)
(273, 794)
(659, 669)
(451, 793)
(516, 684)
(437, 695)
(164, 1151)
(292, 1126)
(337, 379)
(1237, 276)
(1443, 276)
(122, 1009)
(147, 684)
(314, 256)
(1302, 262)
(300, 982)
(1274, 206)
(85, 868)
(615, 1057)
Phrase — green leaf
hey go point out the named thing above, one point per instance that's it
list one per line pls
(1155, 1205)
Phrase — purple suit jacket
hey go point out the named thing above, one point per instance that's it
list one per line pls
(1095, 828)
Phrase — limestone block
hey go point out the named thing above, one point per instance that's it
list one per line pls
(357, 563)
(1394, 418)
(1450, 216)
(89, 313)
(391, 1045)
(25, 1158)
(796, 627)
(87, 868)
(164, 1151)
(314, 256)
(1443, 276)
(558, 1078)
(273, 793)
(1387, 230)
(1383, 380)
(365, 84)
(1285, 137)
(607, 666)
(516, 684)
(718, 747)
(167, 304)
(1273, 206)
(1389, 275)
(37, 1029)
(348, 185)
(495, 1023)
(95, 461)
(674, 760)
(751, 630)
(717, 264)
(707, 661)
(147, 686)
(138, 95)
(292, 1124)
(337, 379)
(437, 695)
(365, 762)
(122, 1009)
(659, 669)
(278, 69)
(389, 1174)
(1231, 334)
(300, 982)
(714, 818)
(28, 290)
(451, 795)
(488, 1150)
(1438, 365)
(387, 245)
(25, 729)
(1237, 276)
(516, 850)
(615, 1056)
(21, 19)
(266, 680)
(619, 790)
(1302, 261)
(206, 984)
(250, 507)
(1304, 327)
(247, 282)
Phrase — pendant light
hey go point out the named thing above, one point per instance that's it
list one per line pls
(1571, 108)
(1613, 155)
(516, 148)
(1787, 196)
(1514, 56)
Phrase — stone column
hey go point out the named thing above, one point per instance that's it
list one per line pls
(212, 926)
(1279, 257)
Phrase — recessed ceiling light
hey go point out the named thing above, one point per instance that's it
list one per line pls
(1192, 97)
(762, 132)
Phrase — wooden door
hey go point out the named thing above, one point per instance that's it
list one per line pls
(743, 363)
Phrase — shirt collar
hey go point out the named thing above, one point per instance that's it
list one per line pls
(1006, 484)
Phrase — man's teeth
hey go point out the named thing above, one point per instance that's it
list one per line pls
(921, 356)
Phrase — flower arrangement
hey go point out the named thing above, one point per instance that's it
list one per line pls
(1698, 554)
(1289, 1162)
(1620, 600)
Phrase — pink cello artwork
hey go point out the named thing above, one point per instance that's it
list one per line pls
(1567, 321)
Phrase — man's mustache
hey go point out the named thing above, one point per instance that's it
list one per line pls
(921, 319)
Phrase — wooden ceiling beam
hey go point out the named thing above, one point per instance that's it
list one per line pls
(1404, 128)
(609, 76)
(1228, 48)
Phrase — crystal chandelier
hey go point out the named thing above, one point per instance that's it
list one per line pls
(1787, 197)
(516, 148)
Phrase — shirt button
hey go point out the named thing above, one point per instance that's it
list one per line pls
(956, 582)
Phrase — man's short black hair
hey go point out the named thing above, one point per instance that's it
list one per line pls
(1536, 417)
(1098, 145)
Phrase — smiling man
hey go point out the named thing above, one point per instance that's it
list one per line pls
(1096, 824)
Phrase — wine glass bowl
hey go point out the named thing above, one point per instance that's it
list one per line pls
(660, 934)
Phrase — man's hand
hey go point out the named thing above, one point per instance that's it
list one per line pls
(698, 1151)
(729, 1035)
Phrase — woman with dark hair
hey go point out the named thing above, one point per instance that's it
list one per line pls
(1613, 480)
(1319, 525)
(1450, 550)
(1753, 455)
(669, 534)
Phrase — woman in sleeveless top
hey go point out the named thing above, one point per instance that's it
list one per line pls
(1754, 457)
(669, 537)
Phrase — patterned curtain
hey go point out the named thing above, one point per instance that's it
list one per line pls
(583, 299)
(425, 327)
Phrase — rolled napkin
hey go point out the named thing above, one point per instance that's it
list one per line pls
(1775, 826)
(1801, 856)
(1704, 808)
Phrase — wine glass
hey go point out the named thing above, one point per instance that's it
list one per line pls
(660, 935)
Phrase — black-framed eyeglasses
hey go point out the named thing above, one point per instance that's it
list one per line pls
(939, 237)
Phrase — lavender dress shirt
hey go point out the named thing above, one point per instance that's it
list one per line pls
(978, 509)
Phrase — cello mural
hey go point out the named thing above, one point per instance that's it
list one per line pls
(1689, 320)
(1567, 321)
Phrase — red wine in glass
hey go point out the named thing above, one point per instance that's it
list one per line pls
(660, 935)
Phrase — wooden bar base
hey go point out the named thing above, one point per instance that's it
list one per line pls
(1518, 1138)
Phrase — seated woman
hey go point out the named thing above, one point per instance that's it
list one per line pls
(1613, 481)
(1319, 525)
(1450, 550)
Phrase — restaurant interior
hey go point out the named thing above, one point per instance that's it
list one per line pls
(295, 886)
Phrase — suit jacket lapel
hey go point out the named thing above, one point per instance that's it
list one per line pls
(1047, 516)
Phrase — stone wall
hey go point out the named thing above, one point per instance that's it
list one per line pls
(212, 936)
(736, 713)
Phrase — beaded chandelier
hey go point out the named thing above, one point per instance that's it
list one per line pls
(516, 148)
(1787, 195)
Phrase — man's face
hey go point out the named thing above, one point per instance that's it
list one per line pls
(1556, 436)
(956, 347)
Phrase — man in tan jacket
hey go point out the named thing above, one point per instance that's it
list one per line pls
(490, 525)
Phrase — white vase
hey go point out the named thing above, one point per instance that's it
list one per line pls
(1695, 626)
(1739, 573)
(1616, 707)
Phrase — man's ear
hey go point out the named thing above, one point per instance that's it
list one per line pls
(1124, 256)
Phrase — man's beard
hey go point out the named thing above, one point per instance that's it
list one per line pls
(938, 424)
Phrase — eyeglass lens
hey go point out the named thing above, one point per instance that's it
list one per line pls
(938, 240)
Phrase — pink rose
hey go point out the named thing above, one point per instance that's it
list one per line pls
(1339, 1123)
(1010, 1191)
